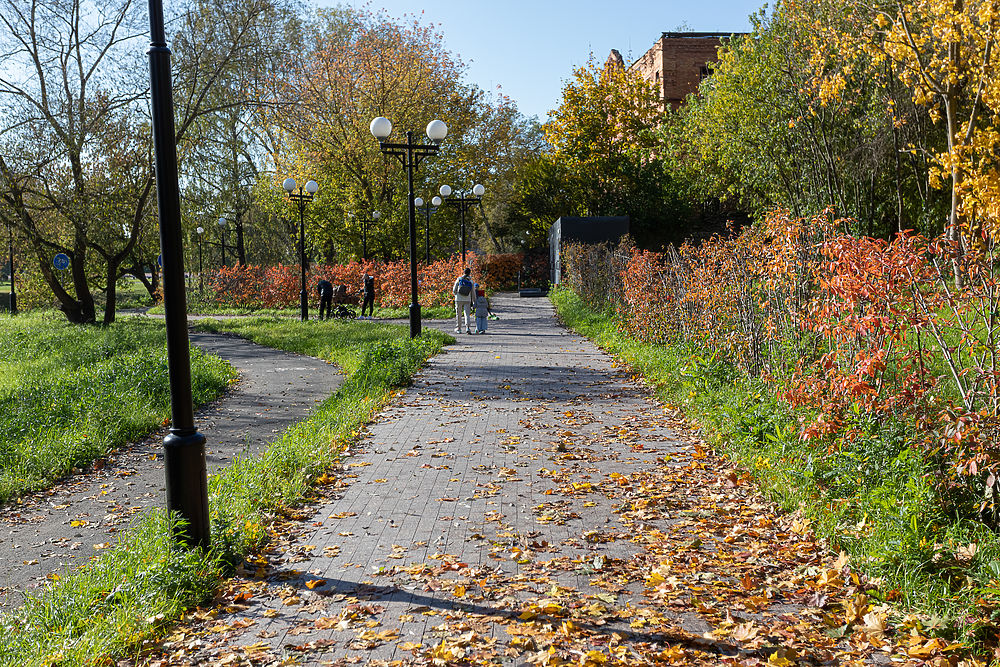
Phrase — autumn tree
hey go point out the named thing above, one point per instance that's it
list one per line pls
(75, 165)
(793, 118)
(357, 65)
(603, 155)
(946, 54)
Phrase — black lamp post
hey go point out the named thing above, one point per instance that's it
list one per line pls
(428, 209)
(184, 446)
(376, 216)
(222, 228)
(303, 197)
(201, 280)
(13, 292)
(464, 202)
(410, 154)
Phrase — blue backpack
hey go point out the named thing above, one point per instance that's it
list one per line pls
(464, 286)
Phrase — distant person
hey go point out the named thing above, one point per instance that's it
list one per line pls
(482, 310)
(464, 291)
(368, 288)
(325, 289)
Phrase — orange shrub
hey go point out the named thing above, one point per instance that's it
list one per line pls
(279, 286)
(839, 324)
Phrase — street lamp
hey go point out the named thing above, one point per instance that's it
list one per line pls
(184, 446)
(222, 227)
(376, 216)
(303, 197)
(410, 154)
(464, 202)
(201, 279)
(430, 208)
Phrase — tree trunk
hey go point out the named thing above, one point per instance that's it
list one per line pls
(241, 252)
(111, 293)
(78, 269)
(140, 275)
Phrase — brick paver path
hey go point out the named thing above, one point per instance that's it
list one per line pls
(486, 493)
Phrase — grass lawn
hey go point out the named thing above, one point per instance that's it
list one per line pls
(69, 394)
(870, 497)
(136, 590)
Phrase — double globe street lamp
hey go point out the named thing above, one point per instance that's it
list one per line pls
(431, 207)
(464, 201)
(376, 215)
(302, 197)
(410, 154)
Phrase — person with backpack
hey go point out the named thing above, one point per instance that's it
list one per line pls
(464, 294)
(325, 289)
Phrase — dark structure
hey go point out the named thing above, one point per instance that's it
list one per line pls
(582, 230)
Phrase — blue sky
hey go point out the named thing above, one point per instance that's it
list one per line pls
(531, 48)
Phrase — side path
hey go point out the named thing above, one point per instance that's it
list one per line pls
(66, 525)
(527, 502)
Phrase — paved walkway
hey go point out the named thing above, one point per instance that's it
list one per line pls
(525, 502)
(64, 526)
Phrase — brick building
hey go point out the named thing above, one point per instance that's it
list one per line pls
(676, 63)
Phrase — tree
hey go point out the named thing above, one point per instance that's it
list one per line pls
(945, 53)
(75, 169)
(358, 65)
(604, 153)
(793, 117)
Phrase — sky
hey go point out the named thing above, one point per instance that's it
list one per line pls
(530, 48)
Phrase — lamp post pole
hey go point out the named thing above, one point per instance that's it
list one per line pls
(184, 446)
(464, 202)
(13, 291)
(428, 208)
(304, 196)
(376, 216)
(201, 279)
(410, 154)
(222, 227)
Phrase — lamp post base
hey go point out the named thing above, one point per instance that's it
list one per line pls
(304, 305)
(13, 303)
(187, 488)
(414, 320)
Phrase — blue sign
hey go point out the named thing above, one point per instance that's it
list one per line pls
(61, 261)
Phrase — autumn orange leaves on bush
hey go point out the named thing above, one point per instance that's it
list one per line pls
(278, 286)
(840, 326)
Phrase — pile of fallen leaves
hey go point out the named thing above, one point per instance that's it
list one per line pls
(698, 570)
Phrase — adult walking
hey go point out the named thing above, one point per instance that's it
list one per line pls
(325, 289)
(464, 293)
(368, 287)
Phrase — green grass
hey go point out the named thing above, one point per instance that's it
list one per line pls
(868, 496)
(135, 591)
(70, 394)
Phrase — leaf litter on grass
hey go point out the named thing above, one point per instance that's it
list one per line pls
(698, 569)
